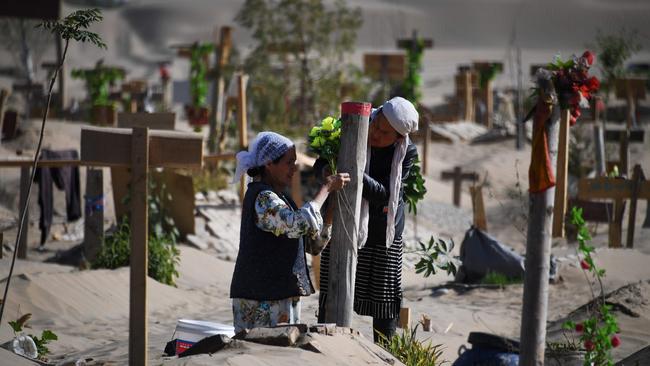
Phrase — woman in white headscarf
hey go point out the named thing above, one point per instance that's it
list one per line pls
(378, 291)
(271, 272)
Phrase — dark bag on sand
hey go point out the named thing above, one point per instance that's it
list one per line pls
(481, 254)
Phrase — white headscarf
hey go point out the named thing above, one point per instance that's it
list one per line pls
(266, 147)
(403, 117)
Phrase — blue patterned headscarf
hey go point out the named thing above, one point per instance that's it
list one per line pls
(266, 147)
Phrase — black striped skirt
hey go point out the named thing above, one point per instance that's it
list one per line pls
(378, 283)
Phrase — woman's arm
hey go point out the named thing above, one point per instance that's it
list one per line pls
(274, 215)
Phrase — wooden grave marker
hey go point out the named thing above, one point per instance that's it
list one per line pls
(618, 190)
(93, 213)
(140, 149)
(458, 176)
(624, 138)
(630, 90)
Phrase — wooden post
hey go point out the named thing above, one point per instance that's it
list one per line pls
(425, 150)
(562, 172)
(343, 257)
(599, 146)
(93, 213)
(4, 95)
(25, 174)
(616, 225)
(478, 208)
(405, 318)
(637, 178)
(1, 243)
(458, 177)
(538, 248)
(489, 104)
(139, 239)
(243, 127)
(624, 153)
(222, 53)
(468, 95)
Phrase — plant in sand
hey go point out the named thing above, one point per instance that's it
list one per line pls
(599, 332)
(436, 255)
(41, 342)
(410, 351)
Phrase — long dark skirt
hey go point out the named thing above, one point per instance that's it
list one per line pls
(378, 285)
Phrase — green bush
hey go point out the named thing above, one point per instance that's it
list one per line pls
(410, 351)
(163, 255)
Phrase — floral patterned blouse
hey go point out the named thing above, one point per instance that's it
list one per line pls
(273, 214)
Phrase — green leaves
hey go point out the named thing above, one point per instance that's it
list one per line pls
(98, 81)
(198, 73)
(435, 256)
(46, 337)
(74, 27)
(18, 324)
(414, 189)
(410, 351)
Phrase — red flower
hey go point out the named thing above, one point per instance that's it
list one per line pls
(584, 264)
(589, 57)
(616, 341)
(589, 345)
(593, 84)
(580, 327)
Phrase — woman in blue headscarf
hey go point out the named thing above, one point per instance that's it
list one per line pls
(271, 271)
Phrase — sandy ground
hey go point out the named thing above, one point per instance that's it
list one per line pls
(89, 309)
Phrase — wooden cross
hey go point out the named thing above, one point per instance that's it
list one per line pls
(385, 67)
(624, 138)
(631, 90)
(140, 149)
(412, 43)
(486, 90)
(458, 176)
(617, 190)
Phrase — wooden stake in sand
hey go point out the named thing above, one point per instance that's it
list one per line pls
(343, 258)
(140, 149)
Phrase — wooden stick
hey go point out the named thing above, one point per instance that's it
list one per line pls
(139, 239)
(624, 152)
(559, 212)
(637, 177)
(25, 174)
(615, 226)
(243, 128)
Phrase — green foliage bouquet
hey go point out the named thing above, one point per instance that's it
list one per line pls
(325, 140)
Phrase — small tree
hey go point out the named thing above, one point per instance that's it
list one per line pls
(613, 50)
(98, 80)
(299, 57)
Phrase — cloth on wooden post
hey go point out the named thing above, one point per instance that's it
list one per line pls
(65, 178)
(540, 173)
(266, 147)
(403, 117)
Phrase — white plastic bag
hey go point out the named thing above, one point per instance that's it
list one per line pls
(24, 345)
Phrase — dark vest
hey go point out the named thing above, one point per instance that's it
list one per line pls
(268, 267)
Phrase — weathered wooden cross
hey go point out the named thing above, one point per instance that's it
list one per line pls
(631, 90)
(486, 90)
(140, 149)
(458, 176)
(624, 138)
(619, 190)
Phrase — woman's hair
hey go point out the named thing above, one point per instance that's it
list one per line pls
(259, 170)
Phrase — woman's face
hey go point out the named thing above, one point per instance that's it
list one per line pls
(280, 173)
(381, 133)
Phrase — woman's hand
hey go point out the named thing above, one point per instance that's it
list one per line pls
(336, 181)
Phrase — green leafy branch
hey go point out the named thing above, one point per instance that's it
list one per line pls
(599, 332)
(414, 189)
(435, 256)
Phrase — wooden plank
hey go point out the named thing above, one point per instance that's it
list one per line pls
(93, 213)
(616, 227)
(154, 121)
(610, 188)
(630, 87)
(562, 172)
(390, 65)
(17, 162)
(450, 175)
(343, 257)
(637, 178)
(478, 208)
(179, 200)
(139, 238)
(405, 318)
(25, 174)
(212, 159)
(166, 148)
(636, 135)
